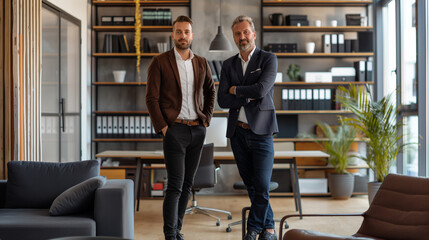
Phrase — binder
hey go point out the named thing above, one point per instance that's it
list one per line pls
(137, 131)
(115, 126)
(148, 126)
(297, 101)
(104, 125)
(303, 99)
(328, 99)
(334, 43)
(316, 104)
(309, 99)
(326, 43)
(285, 101)
(109, 126)
(126, 126)
(131, 126)
(213, 70)
(322, 99)
(99, 127)
(143, 126)
(218, 67)
(291, 98)
(360, 70)
(369, 77)
(121, 125)
(347, 45)
(341, 46)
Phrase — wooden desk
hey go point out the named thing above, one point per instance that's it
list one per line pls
(150, 157)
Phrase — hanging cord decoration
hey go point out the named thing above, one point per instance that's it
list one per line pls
(137, 36)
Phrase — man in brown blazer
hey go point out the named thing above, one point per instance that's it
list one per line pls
(180, 98)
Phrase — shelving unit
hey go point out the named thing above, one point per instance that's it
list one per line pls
(315, 62)
(125, 99)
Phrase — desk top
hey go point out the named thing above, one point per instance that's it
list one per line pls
(217, 155)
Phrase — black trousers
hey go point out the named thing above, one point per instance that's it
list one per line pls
(182, 151)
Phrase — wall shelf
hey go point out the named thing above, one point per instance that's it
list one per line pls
(324, 55)
(279, 112)
(142, 3)
(131, 28)
(119, 83)
(316, 29)
(317, 3)
(127, 140)
(124, 55)
(120, 112)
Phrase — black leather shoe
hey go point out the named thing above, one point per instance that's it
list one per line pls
(265, 235)
(250, 235)
(179, 236)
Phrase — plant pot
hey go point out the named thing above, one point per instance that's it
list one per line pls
(372, 190)
(341, 185)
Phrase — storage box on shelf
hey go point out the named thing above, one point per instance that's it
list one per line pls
(286, 27)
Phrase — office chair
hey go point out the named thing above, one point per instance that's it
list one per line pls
(242, 186)
(205, 178)
(400, 210)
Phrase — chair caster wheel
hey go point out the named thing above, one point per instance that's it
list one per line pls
(229, 217)
(228, 229)
(217, 223)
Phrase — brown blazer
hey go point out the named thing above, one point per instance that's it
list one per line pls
(164, 94)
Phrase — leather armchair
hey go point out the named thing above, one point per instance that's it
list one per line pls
(400, 210)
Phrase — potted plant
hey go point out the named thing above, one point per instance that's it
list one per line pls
(378, 122)
(294, 72)
(340, 139)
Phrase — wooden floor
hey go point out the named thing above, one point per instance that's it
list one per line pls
(148, 221)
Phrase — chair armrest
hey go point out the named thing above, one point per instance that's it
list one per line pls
(114, 209)
(3, 184)
(314, 215)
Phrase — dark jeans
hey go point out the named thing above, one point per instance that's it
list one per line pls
(254, 155)
(182, 152)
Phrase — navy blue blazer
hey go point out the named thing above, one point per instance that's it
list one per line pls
(257, 83)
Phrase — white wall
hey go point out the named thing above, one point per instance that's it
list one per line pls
(80, 9)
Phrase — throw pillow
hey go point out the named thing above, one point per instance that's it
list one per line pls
(37, 184)
(78, 198)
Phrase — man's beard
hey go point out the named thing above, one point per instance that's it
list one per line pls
(180, 46)
(245, 47)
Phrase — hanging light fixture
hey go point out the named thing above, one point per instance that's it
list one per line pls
(220, 43)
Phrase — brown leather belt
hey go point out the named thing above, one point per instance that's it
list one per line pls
(243, 125)
(188, 122)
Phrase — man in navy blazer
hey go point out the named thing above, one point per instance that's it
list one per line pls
(246, 88)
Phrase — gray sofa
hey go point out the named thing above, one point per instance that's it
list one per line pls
(28, 197)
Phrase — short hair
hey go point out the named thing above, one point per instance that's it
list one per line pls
(183, 18)
(243, 18)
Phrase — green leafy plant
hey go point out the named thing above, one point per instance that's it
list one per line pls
(294, 72)
(338, 144)
(378, 121)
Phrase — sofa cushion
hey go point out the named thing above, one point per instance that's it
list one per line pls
(37, 184)
(78, 198)
(36, 224)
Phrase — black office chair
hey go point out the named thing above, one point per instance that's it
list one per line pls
(205, 178)
(242, 186)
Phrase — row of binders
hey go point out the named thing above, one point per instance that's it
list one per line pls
(364, 71)
(335, 43)
(307, 99)
(156, 17)
(124, 126)
(215, 68)
(115, 43)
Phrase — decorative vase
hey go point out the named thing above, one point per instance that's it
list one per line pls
(341, 185)
(372, 190)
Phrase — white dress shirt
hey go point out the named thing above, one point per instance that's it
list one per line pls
(186, 73)
(242, 114)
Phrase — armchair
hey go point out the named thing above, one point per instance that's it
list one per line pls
(400, 210)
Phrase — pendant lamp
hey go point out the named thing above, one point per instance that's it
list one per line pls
(220, 43)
